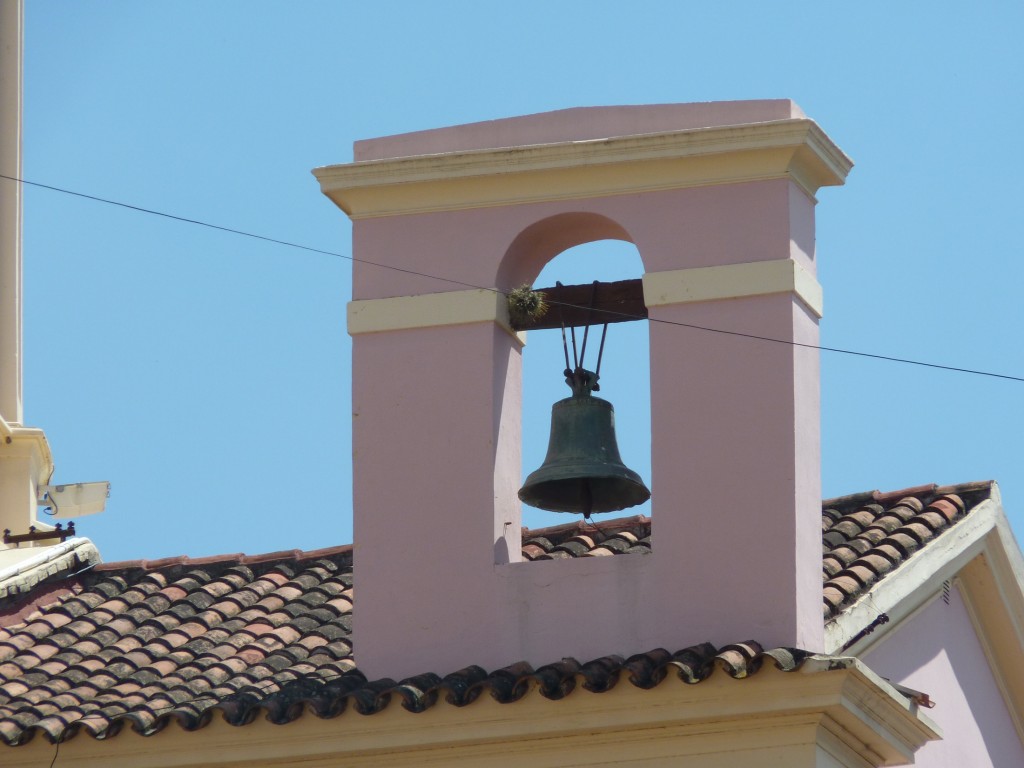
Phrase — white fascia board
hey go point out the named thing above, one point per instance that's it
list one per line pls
(904, 591)
(992, 589)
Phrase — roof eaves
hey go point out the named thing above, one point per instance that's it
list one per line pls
(327, 698)
(869, 716)
(47, 563)
(914, 582)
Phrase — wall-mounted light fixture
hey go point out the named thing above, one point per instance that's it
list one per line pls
(74, 499)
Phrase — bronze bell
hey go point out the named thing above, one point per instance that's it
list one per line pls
(583, 471)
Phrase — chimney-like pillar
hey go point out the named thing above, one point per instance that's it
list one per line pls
(718, 199)
(25, 461)
(10, 211)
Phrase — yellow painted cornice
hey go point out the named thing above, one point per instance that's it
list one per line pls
(787, 718)
(796, 149)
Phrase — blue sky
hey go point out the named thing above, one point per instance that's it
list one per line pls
(207, 375)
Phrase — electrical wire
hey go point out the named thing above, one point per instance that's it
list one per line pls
(56, 749)
(819, 347)
(233, 231)
(622, 315)
(453, 281)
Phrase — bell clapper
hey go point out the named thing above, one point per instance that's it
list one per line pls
(582, 382)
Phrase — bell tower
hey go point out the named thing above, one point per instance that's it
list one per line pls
(719, 200)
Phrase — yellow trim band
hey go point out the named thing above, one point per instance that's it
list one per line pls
(732, 281)
(429, 310)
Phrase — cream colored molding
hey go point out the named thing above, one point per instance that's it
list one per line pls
(732, 281)
(835, 706)
(12, 16)
(796, 149)
(430, 310)
(27, 442)
(25, 464)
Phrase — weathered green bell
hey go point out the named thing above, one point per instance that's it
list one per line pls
(583, 471)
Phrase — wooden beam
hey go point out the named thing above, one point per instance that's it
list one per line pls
(616, 302)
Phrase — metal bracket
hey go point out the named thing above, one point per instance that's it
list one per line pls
(60, 532)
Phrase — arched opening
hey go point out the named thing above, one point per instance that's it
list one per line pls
(625, 370)
(543, 240)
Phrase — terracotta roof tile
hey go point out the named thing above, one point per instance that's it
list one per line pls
(830, 566)
(893, 525)
(144, 642)
(874, 562)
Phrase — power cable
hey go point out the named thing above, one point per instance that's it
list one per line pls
(623, 315)
(232, 231)
(819, 347)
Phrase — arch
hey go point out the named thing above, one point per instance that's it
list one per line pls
(540, 242)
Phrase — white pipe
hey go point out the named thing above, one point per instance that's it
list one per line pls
(11, 26)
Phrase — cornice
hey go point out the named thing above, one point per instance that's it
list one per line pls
(835, 704)
(27, 442)
(796, 149)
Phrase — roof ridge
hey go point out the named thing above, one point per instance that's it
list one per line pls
(929, 491)
(240, 558)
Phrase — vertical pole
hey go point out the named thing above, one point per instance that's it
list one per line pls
(25, 459)
(11, 21)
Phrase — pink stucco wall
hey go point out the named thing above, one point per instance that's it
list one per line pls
(507, 246)
(735, 442)
(938, 652)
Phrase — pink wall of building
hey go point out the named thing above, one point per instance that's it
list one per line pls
(937, 652)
